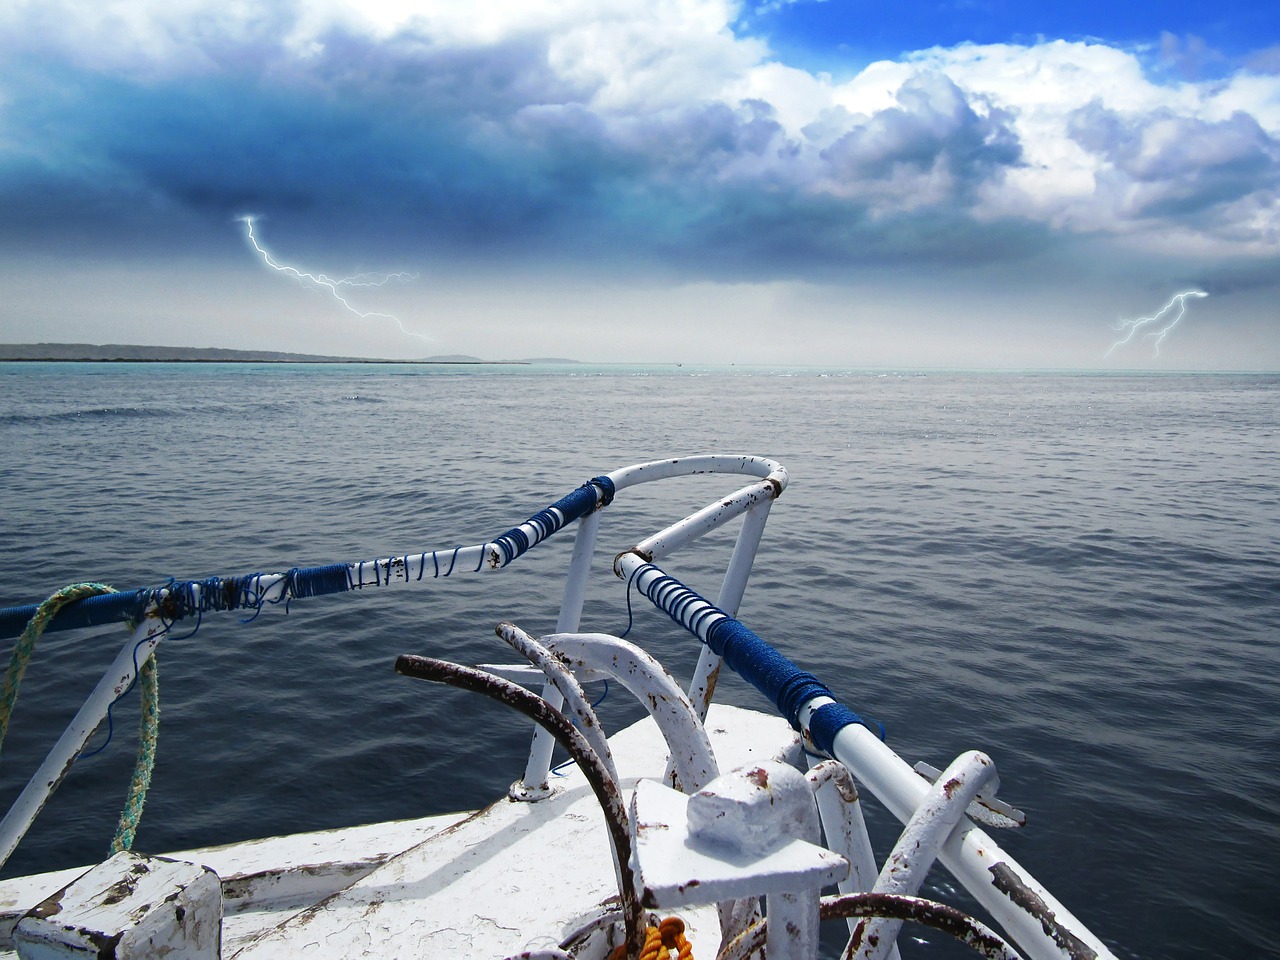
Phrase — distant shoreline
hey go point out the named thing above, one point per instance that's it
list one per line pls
(134, 353)
(417, 363)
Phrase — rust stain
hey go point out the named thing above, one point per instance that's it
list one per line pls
(1010, 884)
(118, 891)
(106, 946)
(49, 908)
(759, 776)
(712, 679)
(930, 913)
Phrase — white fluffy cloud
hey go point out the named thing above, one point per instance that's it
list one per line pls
(1107, 148)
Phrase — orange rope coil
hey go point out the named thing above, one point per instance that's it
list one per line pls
(660, 941)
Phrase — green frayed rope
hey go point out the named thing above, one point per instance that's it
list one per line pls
(26, 644)
(150, 725)
(148, 731)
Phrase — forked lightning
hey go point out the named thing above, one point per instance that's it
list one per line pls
(1160, 322)
(331, 285)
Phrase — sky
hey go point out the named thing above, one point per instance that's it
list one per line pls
(976, 184)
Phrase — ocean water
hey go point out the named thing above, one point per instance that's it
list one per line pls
(1077, 574)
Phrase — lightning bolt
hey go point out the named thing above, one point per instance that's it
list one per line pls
(1160, 322)
(331, 285)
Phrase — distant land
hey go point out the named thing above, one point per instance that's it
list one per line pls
(131, 353)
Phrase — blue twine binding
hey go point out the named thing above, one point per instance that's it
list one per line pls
(780, 680)
(631, 618)
(595, 494)
(137, 671)
(179, 599)
(603, 693)
(830, 718)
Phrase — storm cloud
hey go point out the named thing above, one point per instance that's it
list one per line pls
(619, 138)
(566, 136)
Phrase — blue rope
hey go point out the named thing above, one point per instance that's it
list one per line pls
(137, 671)
(830, 718)
(780, 680)
(593, 495)
(314, 582)
(604, 693)
(179, 599)
(630, 614)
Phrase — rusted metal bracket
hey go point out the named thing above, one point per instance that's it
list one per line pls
(558, 725)
(692, 758)
(986, 808)
(558, 673)
(937, 916)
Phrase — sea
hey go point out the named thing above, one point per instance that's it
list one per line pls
(1074, 572)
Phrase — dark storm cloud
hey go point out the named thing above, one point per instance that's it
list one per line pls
(415, 147)
(385, 136)
(407, 146)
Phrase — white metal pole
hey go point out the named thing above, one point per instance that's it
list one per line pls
(714, 515)
(840, 810)
(703, 685)
(533, 786)
(1031, 916)
(141, 644)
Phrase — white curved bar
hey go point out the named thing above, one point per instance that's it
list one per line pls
(1032, 917)
(648, 680)
(567, 685)
(713, 515)
(761, 467)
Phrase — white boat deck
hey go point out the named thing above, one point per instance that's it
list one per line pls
(508, 878)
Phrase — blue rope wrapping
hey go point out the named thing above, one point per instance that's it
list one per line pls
(106, 608)
(830, 718)
(780, 680)
(607, 490)
(564, 511)
(765, 668)
(316, 581)
(180, 599)
(177, 600)
(673, 597)
(183, 599)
